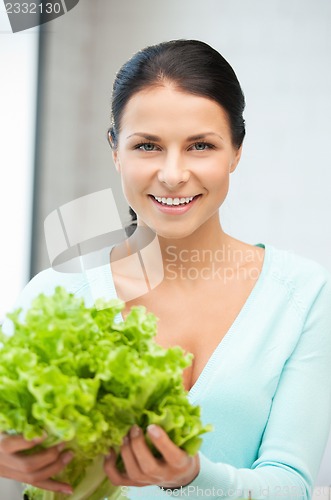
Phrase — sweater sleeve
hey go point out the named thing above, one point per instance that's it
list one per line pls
(45, 282)
(296, 432)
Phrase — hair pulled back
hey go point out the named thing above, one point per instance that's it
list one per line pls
(191, 66)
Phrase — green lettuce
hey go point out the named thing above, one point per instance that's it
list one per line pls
(77, 374)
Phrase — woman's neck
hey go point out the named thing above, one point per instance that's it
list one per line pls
(195, 246)
(203, 257)
(205, 250)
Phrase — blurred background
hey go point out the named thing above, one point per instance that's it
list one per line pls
(55, 94)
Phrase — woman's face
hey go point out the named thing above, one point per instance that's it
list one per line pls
(174, 145)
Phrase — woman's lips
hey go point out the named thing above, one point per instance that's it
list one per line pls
(175, 209)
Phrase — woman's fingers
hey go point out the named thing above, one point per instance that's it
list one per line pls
(40, 480)
(140, 465)
(13, 444)
(116, 478)
(50, 470)
(138, 458)
(173, 455)
(54, 486)
(35, 461)
(131, 465)
(36, 469)
(143, 468)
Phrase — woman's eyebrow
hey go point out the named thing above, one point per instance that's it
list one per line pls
(203, 136)
(197, 137)
(148, 137)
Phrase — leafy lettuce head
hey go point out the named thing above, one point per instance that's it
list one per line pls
(83, 378)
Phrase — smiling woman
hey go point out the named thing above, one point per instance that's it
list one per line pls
(258, 320)
(187, 167)
(206, 106)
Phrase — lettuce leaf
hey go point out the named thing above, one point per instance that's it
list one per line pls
(83, 378)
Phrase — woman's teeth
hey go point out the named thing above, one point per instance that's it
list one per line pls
(173, 201)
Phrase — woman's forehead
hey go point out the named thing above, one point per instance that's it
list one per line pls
(163, 105)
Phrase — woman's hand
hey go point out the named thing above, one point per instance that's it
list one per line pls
(175, 469)
(35, 469)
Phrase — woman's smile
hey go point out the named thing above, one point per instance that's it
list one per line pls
(174, 206)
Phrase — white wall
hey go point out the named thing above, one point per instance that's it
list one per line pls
(18, 66)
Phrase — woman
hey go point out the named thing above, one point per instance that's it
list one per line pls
(257, 319)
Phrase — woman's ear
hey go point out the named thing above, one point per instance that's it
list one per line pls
(116, 161)
(113, 145)
(236, 159)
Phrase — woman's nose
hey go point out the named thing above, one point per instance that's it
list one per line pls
(173, 171)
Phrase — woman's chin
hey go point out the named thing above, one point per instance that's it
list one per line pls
(172, 234)
(169, 230)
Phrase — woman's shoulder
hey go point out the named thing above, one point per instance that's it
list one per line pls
(45, 282)
(280, 265)
(292, 266)
(288, 277)
(299, 277)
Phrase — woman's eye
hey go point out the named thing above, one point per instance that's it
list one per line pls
(146, 146)
(202, 146)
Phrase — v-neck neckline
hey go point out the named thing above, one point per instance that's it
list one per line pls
(202, 380)
(203, 377)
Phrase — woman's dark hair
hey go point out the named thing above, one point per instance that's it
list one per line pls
(191, 66)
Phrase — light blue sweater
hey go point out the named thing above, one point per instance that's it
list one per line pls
(266, 388)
